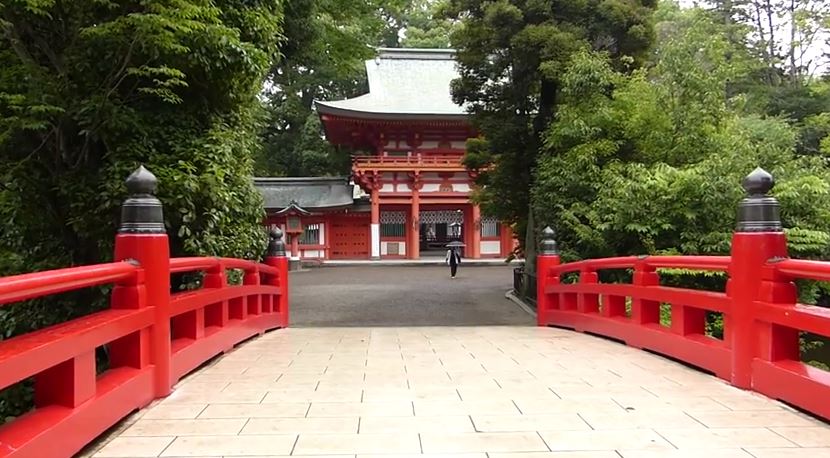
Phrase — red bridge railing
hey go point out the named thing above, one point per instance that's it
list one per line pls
(154, 337)
(762, 319)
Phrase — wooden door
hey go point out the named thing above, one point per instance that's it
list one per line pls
(350, 238)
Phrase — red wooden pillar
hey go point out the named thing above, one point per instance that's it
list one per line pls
(142, 238)
(276, 257)
(506, 240)
(415, 237)
(475, 232)
(758, 239)
(374, 228)
(547, 259)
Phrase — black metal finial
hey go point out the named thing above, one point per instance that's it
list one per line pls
(141, 212)
(548, 242)
(276, 247)
(141, 181)
(758, 183)
(759, 212)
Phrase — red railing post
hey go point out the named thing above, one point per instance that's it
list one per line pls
(276, 257)
(644, 311)
(251, 303)
(548, 258)
(758, 238)
(142, 238)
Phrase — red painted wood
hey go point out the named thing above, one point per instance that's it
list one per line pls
(155, 338)
(58, 431)
(30, 286)
(762, 319)
(750, 252)
(350, 238)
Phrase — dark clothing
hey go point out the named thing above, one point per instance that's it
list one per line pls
(453, 259)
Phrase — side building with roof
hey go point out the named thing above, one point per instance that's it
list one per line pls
(409, 194)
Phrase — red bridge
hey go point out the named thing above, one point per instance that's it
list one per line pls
(432, 390)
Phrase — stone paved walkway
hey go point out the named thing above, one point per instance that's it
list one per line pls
(507, 392)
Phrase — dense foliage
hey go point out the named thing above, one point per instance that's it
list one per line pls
(89, 89)
(512, 56)
(651, 161)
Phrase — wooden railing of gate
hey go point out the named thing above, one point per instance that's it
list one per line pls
(154, 337)
(762, 319)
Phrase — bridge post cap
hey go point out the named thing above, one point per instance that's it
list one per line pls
(758, 211)
(758, 183)
(141, 181)
(276, 247)
(548, 245)
(141, 212)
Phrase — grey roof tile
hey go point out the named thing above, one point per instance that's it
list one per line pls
(310, 193)
(413, 82)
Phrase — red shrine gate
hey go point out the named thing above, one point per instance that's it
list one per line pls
(408, 139)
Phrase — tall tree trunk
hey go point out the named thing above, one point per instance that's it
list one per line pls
(793, 71)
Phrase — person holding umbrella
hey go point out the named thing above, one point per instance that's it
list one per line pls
(453, 258)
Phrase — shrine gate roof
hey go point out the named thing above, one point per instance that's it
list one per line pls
(309, 193)
(404, 84)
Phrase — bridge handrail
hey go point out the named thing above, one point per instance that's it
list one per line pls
(154, 336)
(711, 263)
(801, 269)
(203, 263)
(763, 320)
(38, 284)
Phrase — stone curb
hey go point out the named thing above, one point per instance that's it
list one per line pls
(518, 301)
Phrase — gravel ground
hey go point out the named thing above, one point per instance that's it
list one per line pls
(403, 296)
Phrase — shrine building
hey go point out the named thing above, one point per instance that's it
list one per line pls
(408, 194)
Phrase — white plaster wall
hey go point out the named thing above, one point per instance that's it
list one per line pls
(312, 254)
(461, 187)
(429, 144)
(490, 247)
(322, 238)
(388, 187)
(375, 234)
(384, 248)
(431, 187)
(461, 144)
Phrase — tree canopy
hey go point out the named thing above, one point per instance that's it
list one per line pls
(90, 89)
(512, 56)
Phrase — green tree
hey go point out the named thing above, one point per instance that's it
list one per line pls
(512, 57)
(425, 27)
(326, 45)
(652, 162)
(89, 89)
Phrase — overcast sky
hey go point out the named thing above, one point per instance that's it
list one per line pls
(815, 53)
